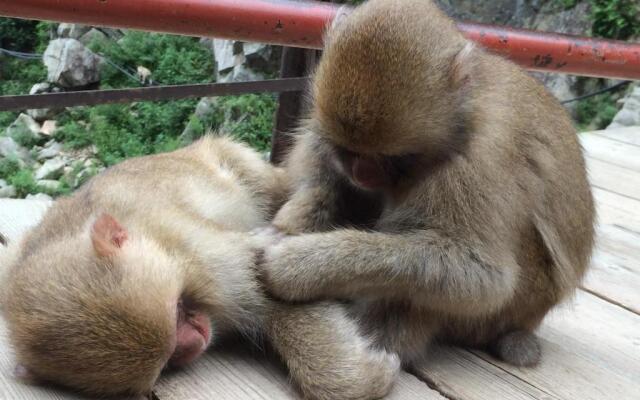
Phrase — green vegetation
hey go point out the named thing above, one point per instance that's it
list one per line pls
(126, 130)
(24, 183)
(250, 118)
(174, 60)
(615, 19)
(565, 4)
(612, 19)
(596, 112)
(17, 34)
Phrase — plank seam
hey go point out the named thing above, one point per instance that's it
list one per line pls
(433, 385)
(614, 192)
(609, 300)
(614, 140)
(488, 360)
(631, 169)
(626, 229)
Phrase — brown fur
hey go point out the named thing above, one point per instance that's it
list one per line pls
(492, 226)
(105, 324)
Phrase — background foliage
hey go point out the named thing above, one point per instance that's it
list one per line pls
(127, 130)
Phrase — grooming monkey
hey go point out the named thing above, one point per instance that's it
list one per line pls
(151, 261)
(457, 182)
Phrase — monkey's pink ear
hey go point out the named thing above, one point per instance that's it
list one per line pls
(107, 235)
(462, 66)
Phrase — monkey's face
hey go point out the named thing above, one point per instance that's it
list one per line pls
(376, 172)
(193, 334)
(389, 96)
(103, 312)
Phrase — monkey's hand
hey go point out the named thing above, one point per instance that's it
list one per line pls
(287, 273)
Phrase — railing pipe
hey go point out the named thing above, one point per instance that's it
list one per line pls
(302, 24)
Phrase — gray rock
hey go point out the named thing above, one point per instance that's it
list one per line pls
(242, 73)
(502, 12)
(90, 163)
(52, 149)
(93, 35)
(226, 55)
(7, 191)
(43, 113)
(254, 50)
(629, 115)
(49, 127)
(574, 21)
(10, 149)
(43, 87)
(207, 43)
(73, 31)
(39, 196)
(49, 185)
(70, 64)
(205, 109)
(85, 175)
(51, 169)
(24, 127)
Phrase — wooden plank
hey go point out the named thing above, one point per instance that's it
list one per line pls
(613, 178)
(627, 135)
(617, 210)
(460, 374)
(16, 216)
(615, 267)
(614, 152)
(591, 351)
(237, 373)
(226, 375)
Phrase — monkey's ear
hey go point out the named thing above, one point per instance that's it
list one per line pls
(107, 235)
(462, 66)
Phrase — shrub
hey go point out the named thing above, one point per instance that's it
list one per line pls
(615, 19)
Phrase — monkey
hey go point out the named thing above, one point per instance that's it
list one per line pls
(437, 187)
(144, 75)
(154, 259)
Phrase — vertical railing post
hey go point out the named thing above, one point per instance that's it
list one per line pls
(295, 63)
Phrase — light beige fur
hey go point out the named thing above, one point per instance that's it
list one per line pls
(104, 325)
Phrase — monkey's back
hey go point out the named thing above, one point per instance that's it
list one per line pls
(528, 152)
(214, 182)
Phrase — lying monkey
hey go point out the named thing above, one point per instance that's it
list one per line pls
(149, 262)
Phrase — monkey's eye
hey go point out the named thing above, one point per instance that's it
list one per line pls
(404, 164)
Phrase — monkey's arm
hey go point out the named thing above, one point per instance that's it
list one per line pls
(313, 206)
(427, 266)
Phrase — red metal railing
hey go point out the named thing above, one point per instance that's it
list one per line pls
(301, 24)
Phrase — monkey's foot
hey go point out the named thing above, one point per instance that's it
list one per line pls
(369, 378)
(519, 348)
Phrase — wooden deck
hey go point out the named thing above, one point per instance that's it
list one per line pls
(591, 345)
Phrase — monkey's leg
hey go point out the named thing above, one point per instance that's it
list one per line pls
(520, 348)
(326, 355)
(429, 267)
